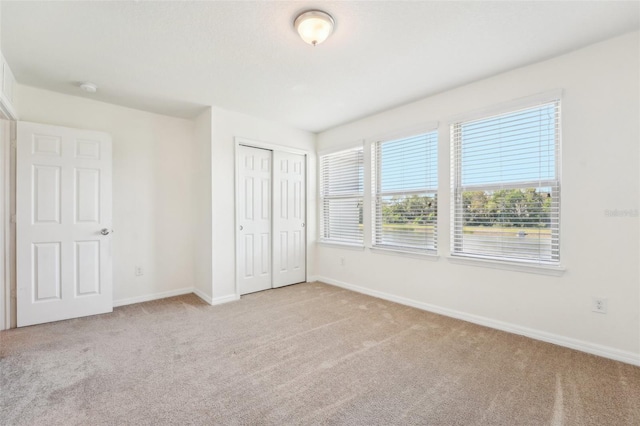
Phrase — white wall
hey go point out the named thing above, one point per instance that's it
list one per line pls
(202, 180)
(226, 126)
(3, 163)
(153, 195)
(600, 163)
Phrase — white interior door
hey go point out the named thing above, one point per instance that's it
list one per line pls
(289, 213)
(254, 217)
(63, 206)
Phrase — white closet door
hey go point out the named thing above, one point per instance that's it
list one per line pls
(289, 213)
(63, 225)
(254, 214)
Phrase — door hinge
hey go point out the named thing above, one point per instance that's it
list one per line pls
(13, 218)
(14, 144)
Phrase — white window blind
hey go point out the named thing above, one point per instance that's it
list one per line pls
(505, 176)
(341, 197)
(405, 184)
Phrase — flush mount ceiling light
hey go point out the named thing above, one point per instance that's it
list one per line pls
(314, 26)
(89, 87)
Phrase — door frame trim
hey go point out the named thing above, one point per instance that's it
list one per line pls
(5, 214)
(251, 143)
(7, 211)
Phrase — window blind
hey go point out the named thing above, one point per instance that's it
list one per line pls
(405, 184)
(506, 184)
(341, 196)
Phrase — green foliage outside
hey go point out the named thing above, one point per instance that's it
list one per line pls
(412, 210)
(507, 208)
(503, 211)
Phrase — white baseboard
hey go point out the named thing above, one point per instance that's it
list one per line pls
(225, 299)
(203, 296)
(568, 342)
(178, 292)
(216, 300)
(153, 296)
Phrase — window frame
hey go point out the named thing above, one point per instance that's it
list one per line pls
(457, 188)
(377, 192)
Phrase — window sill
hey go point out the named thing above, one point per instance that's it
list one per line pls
(345, 246)
(424, 255)
(555, 271)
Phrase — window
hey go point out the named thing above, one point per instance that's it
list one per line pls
(405, 184)
(341, 197)
(505, 177)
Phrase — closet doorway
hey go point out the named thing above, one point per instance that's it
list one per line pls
(270, 218)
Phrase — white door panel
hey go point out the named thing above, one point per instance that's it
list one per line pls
(63, 201)
(254, 208)
(289, 250)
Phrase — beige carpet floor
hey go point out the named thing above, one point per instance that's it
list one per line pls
(305, 354)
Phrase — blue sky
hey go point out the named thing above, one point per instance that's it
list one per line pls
(514, 147)
(410, 163)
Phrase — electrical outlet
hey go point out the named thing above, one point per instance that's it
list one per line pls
(343, 261)
(139, 271)
(599, 305)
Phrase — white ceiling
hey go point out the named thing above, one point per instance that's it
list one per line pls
(175, 57)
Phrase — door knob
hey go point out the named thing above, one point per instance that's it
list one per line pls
(303, 225)
(241, 227)
(105, 231)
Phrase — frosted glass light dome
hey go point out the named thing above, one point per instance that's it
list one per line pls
(314, 26)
